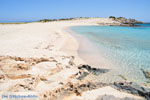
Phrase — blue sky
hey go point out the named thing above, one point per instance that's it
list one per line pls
(26, 10)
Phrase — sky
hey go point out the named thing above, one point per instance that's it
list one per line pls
(32, 10)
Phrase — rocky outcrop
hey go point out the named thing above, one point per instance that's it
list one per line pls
(128, 21)
(78, 86)
(133, 88)
(71, 88)
(52, 78)
(111, 97)
(125, 22)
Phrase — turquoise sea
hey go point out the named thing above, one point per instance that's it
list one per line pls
(126, 48)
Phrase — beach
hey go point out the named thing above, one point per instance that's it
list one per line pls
(43, 58)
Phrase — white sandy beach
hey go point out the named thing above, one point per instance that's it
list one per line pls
(42, 57)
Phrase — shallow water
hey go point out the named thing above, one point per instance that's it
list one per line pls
(125, 49)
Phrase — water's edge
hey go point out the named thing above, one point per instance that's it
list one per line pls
(85, 52)
(90, 54)
(86, 48)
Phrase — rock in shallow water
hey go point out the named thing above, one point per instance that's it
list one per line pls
(133, 88)
(111, 97)
(95, 71)
(146, 73)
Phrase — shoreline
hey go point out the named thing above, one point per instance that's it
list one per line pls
(72, 49)
(43, 58)
(89, 52)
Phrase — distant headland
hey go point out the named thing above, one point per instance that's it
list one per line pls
(118, 21)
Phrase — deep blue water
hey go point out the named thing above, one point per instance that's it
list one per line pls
(144, 25)
(127, 48)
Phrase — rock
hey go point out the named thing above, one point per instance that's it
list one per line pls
(42, 78)
(77, 92)
(82, 75)
(2, 77)
(133, 88)
(95, 71)
(22, 66)
(71, 62)
(111, 97)
(146, 73)
(84, 67)
(128, 21)
(20, 88)
(14, 77)
(61, 83)
(125, 22)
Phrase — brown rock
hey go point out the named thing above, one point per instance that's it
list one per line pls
(2, 77)
(42, 78)
(14, 77)
(77, 92)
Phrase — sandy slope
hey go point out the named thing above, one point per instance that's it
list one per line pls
(37, 39)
